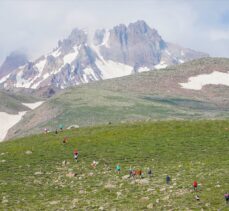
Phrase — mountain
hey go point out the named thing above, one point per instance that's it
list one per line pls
(153, 95)
(12, 62)
(84, 57)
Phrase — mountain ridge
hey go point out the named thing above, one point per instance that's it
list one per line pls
(82, 58)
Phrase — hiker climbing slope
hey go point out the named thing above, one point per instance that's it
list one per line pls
(150, 172)
(118, 168)
(61, 127)
(168, 179)
(75, 154)
(226, 196)
(65, 140)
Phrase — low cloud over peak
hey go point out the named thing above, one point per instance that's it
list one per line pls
(37, 25)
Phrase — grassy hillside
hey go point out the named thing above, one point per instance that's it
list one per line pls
(186, 151)
(154, 95)
(12, 103)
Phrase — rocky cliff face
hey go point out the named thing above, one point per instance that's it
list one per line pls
(82, 58)
(136, 45)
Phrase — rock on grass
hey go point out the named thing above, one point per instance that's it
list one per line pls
(54, 202)
(143, 181)
(38, 173)
(28, 152)
(110, 186)
(126, 177)
(144, 199)
(150, 206)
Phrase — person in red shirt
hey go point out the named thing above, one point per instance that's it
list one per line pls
(75, 153)
(195, 185)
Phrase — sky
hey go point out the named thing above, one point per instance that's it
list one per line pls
(35, 26)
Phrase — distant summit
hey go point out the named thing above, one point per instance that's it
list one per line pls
(108, 53)
(13, 61)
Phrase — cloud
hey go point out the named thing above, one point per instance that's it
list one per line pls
(217, 35)
(37, 25)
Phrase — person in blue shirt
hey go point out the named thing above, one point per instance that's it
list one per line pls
(118, 168)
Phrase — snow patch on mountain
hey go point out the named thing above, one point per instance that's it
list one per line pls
(56, 53)
(21, 82)
(167, 52)
(5, 78)
(89, 75)
(143, 69)
(106, 39)
(161, 65)
(33, 105)
(35, 85)
(7, 121)
(214, 78)
(69, 58)
(40, 65)
(111, 69)
(46, 75)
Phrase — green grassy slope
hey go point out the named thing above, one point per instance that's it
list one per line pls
(187, 151)
(86, 106)
(12, 103)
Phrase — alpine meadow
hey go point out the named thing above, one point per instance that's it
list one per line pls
(114, 105)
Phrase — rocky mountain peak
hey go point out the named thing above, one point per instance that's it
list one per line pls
(13, 61)
(99, 36)
(139, 26)
(78, 36)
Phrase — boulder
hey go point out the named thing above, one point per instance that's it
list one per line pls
(150, 189)
(162, 189)
(150, 206)
(126, 177)
(65, 163)
(4, 200)
(38, 173)
(28, 152)
(118, 194)
(145, 198)
(82, 192)
(91, 174)
(110, 186)
(71, 174)
(73, 127)
(54, 202)
(144, 181)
